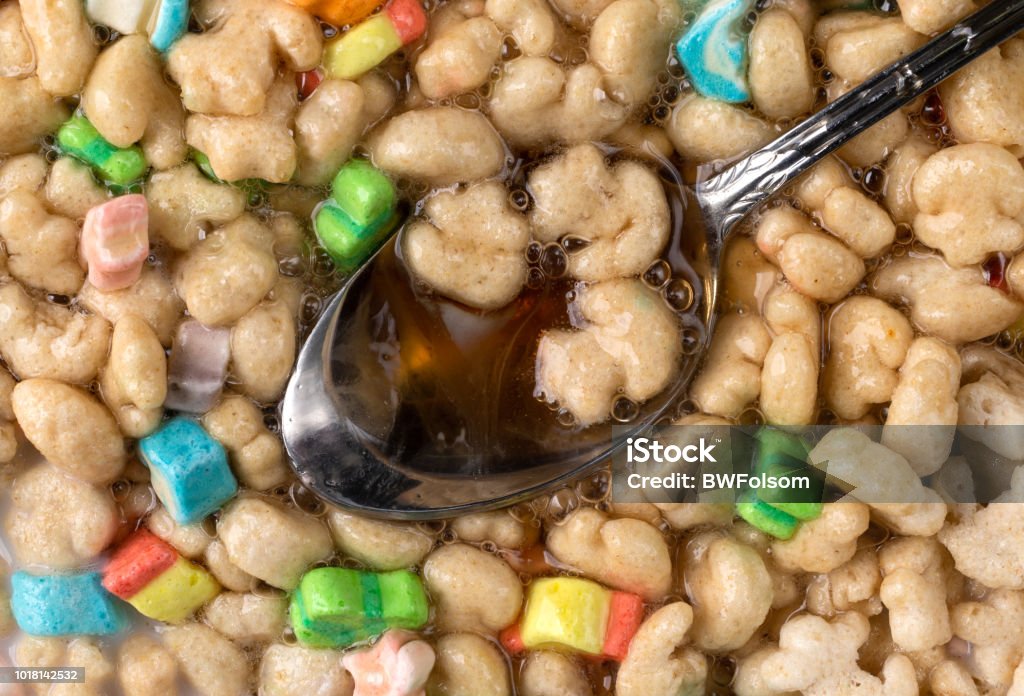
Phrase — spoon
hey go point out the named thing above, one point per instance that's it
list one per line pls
(353, 440)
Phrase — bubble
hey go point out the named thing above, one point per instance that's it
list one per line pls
(100, 34)
(510, 49)
(489, 547)
(533, 252)
(751, 416)
(723, 670)
(534, 278)
(272, 423)
(657, 274)
(686, 408)
(679, 295)
(817, 58)
(691, 341)
(58, 299)
(520, 200)
(523, 513)
(574, 245)
(662, 113)
(565, 418)
(904, 233)
(120, 490)
(553, 261)
(624, 409)
(561, 504)
(305, 500)
(594, 489)
(431, 527)
(468, 101)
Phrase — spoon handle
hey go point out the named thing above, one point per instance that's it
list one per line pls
(727, 198)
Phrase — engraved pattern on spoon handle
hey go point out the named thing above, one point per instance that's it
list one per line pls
(728, 197)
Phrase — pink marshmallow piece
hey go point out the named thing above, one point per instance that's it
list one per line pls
(115, 241)
(197, 367)
(395, 666)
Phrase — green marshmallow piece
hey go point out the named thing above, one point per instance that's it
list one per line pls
(335, 607)
(352, 225)
(775, 445)
(802, 511)
(765, 517)
(80, 139)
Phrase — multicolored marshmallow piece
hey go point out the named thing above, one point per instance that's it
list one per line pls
(577, 614)
(714, 51)
(163, 20)
(115, 165)
(149, 574)
(396, 665)
(115, 242)
(340, 13)
(188, 470)
(197, 367)
(357, 219)
(779, 511)
(336, 607)
(65, 605)
(369, 43)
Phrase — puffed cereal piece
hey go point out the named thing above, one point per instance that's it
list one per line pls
(134, 382)
(327, 126)
(816, 264)
(270, 542)
(71, 428)
(190, 540)
(472, 247)
(780, 74)
(922, 415)
(707, 130)
(26, 172)
(626, 554)
(230, 576)
(789, 376)
(658, 663)
(472, 589)
(28, 113)
(882, 479)
(731, 376)
(956, 305)
(933, 16)
(730, 591)
(380, 544)
(989, 397)
(992, 629)
(900, 169)
(868, 341)
(862, 223)
(468, 665)
(982, 101)
(822, 179)
(126, 90)
(229, 69)
(550, 673)
(16, 54)
(62, 42)
(630, 342)
(621, 210)
(440, 145)
(970, 200)
(857, 53)
(459, 59)
(537, 101)
(258, 146)
(58, 521)
(182, 202)
(41, 339)
(295, 670)
(530, 22)
(823, 544)
(151, 298)
(144, 667)
(247, 617)
(72, 190)
(498, 526)
(42, 249)
(628, 43)
(853, 585)
(228, 273)
(211, 663)
(256, 455)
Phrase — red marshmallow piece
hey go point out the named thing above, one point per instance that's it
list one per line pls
(115, 241)
(136, 562)
(624, 618)
(408, 19)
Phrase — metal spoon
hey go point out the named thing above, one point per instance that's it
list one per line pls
(343, 424)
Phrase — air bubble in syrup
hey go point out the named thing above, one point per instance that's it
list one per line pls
(657, 274)
(624, 409)
(553, 261)
(679, 295)
(573, 245)
(534, 278)
(533, 252)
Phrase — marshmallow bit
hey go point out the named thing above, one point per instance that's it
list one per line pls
(394, 666)
(198, 367)
(115, 242)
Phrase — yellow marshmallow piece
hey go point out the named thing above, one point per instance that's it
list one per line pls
(362, 48)
(176, 593)
(569, 612)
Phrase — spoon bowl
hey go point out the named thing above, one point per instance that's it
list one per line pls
(370, 394)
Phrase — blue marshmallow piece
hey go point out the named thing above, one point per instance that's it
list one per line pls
(714, 52)
(168, 23)
(188, 469)
(65, 605)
